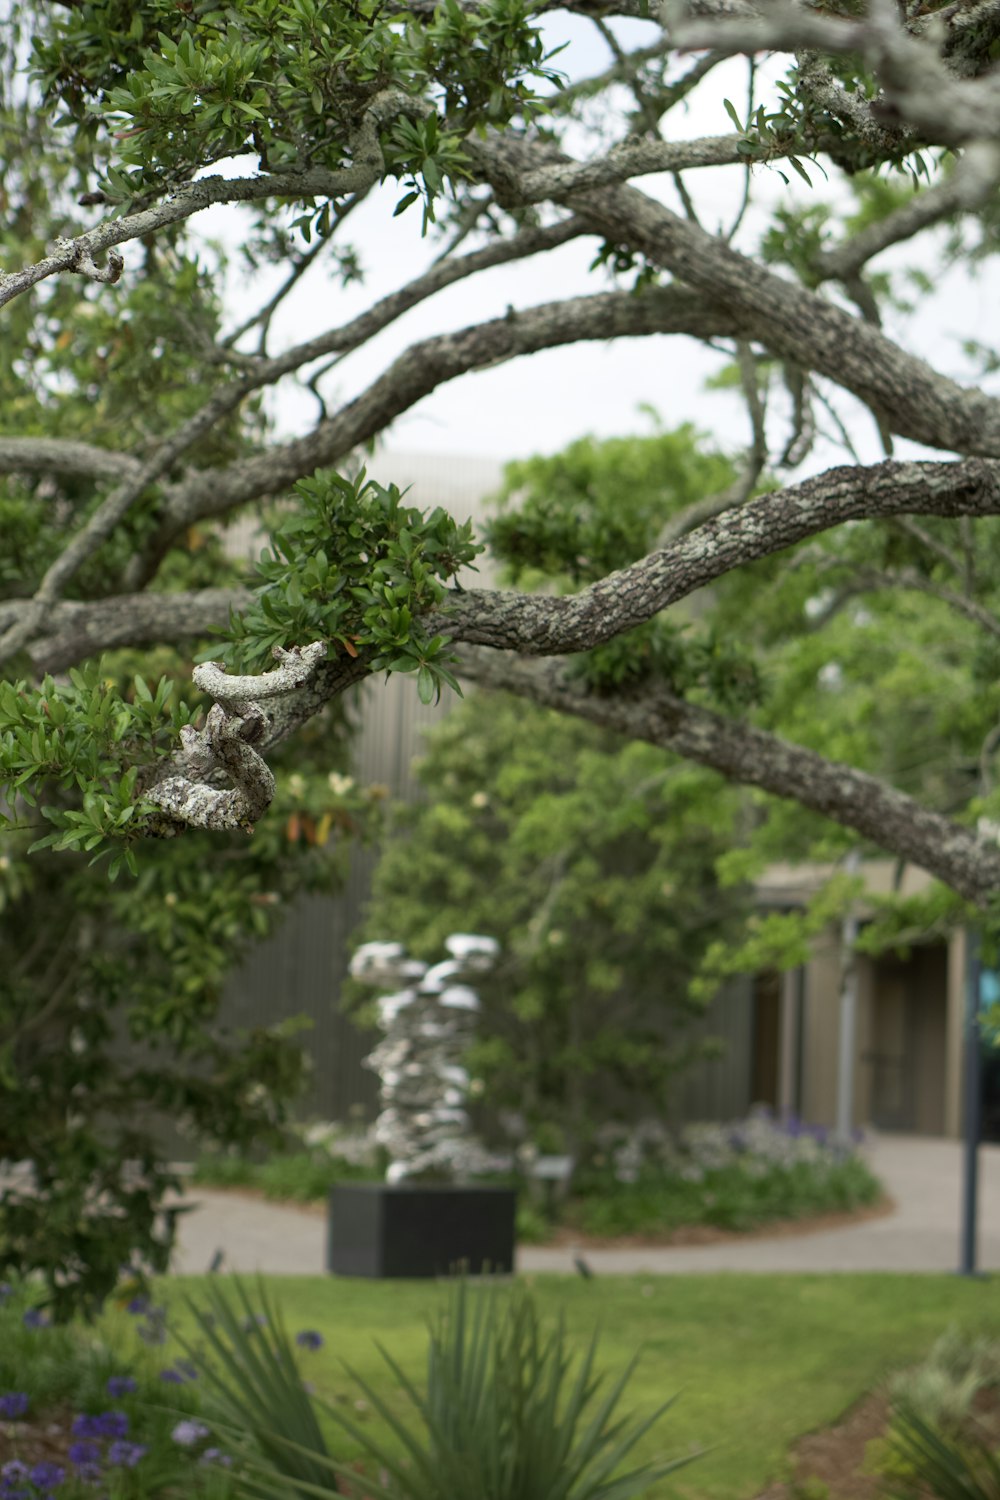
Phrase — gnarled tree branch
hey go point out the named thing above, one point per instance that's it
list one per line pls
(752, 757)
(538, 625)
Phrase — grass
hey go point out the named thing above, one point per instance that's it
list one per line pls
(757, 1360)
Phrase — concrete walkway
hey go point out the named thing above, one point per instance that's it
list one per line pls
(923, 1177)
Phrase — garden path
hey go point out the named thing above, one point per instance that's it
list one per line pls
(923, 1176)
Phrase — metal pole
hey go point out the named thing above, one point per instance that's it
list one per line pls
(848, 1012)
(973, 1106)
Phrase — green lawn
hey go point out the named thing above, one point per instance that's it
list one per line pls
(756, 1360)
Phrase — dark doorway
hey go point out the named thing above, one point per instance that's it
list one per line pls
(766, 1042)
(907, 1041)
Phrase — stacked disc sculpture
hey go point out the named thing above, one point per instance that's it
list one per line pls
(429, 1021)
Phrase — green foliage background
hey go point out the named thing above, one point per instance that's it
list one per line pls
(591, 861)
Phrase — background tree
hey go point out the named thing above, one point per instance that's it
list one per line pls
(591, 860)
(834, 645)
(132, 408)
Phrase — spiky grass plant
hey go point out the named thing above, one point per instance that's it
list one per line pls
(947, 1467)
(256, 1398)
(505, 1415)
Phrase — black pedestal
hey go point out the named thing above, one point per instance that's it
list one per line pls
(419, 1229)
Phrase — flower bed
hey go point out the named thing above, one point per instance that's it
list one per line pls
(82, 1418)
(643, 1180)
(734, 1176)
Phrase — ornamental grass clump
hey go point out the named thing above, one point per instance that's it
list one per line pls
(941, 1439)
(255, 1396)
(506, 1414)
(924, 1460)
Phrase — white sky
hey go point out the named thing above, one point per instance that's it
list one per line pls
(540, 403)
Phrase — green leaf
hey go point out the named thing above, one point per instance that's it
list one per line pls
(731, 112)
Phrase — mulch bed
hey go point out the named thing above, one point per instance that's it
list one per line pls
(838, 1456)
(835, 1456)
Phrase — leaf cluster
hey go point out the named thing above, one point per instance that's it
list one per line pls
(83, 735)
(597, 506)
(690, 661)
(354, 566)
(288, 81)
(109, 1029)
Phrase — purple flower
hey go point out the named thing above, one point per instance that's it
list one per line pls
(138, 1306)
(250, 1325)
(126, 1455)
(216, 1456)
(35, 1318)
(188, 1369)
(188, 1433)
(13, 1470)
(6, 1292)
(171, 1376)
(108, 1424)
(46, 1476)
(121, 1385)
(13, 1405)
(309, 1339)
(85, 1455)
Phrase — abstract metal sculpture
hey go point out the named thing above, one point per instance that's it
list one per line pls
(428, 1025)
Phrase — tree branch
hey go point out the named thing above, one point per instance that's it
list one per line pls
(235, 724)
(93, 254)
(260, 373)
(416, 373)
(753, 757)
(919, 88)
(639, 157)
(972, 182)
(539, 625)
(43, 455)
(872, 580)
(74, 630)
(901, 390)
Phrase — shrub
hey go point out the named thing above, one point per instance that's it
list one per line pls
(318, 1156)
(941, 1389)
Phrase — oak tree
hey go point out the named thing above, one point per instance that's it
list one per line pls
(134, 419)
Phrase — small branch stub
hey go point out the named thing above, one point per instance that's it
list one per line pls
(297, 666)
(235, 723)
